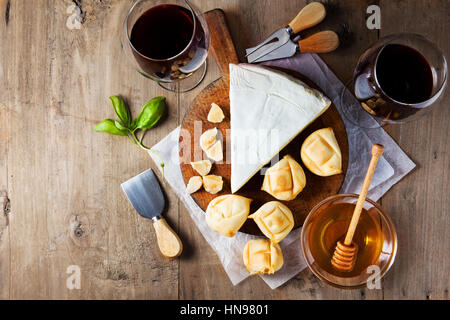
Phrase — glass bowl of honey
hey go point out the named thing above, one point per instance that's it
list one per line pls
(375, 236)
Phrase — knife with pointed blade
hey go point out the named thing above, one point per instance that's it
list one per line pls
(280, 45)
(320, 42)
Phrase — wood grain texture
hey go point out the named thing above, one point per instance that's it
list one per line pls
(5, 212)
(67, 207)
(61, 180)
(222, 46)
(420, 205)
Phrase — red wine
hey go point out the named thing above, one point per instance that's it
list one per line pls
(393, 82)
(404, 74)
(163, 31)
(168, 42)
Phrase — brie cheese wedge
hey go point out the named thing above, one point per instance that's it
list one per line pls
(268, 109)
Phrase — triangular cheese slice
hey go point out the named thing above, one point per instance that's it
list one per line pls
(268, 109)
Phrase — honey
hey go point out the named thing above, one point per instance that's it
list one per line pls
(330, 225)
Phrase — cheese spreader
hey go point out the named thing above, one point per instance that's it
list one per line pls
(146, 197)
(280, 44)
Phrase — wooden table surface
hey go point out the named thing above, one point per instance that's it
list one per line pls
(60, 190)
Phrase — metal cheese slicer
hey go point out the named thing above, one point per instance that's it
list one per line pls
(145, 195)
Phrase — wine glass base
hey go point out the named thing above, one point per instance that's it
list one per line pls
(188, 83)
(354, 112)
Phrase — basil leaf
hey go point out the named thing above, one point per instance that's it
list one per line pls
(109, 126)
(150, 114)
(121, 109)
(120, 126)
(133, 124)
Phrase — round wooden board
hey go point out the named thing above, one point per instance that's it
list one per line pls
(317, 188)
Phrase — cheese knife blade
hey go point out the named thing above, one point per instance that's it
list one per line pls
(145, 195)
(273, 42)
(286, 50)
(320, 42)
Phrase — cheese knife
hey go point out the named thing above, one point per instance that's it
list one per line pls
(280, 44)
(146, 197)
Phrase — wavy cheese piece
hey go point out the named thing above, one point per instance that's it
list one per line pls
(321, 154)
(226, 214)
(284, 180)
(262, 256)
(274, 219)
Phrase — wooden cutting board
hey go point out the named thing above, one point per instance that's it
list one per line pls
(195, 122)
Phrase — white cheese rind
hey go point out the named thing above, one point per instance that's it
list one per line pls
(267, 110)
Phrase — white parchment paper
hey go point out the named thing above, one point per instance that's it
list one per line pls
(394, 165)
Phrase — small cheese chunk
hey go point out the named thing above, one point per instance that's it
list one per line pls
(210, 145)
(215, 114)
(203, 167)
(208, 138)
(213, 184)
(194, 184)
(215, 152)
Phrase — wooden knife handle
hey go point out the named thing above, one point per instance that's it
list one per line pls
(308, 17)
(168, 241)
(320, 42)
(222, 46)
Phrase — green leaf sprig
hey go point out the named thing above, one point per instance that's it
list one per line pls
(150, 114)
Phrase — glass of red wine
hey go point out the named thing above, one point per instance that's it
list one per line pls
(396, 80)
(168, 42)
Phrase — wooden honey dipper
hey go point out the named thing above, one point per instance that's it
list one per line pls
(344, 256)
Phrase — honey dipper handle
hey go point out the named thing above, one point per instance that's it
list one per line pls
(377, 151)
